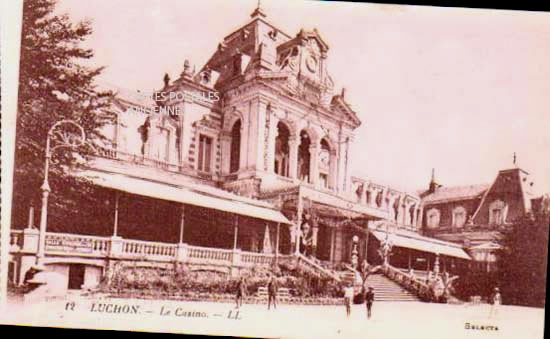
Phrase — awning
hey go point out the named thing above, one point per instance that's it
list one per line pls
(225, 201)
(424, 244)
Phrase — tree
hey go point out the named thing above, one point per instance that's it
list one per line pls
(524, 258)
(54, 85)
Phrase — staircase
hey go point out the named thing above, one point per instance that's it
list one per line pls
(387, 290)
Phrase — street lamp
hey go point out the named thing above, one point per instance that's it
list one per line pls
(64, 137)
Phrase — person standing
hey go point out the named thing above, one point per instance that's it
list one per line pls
(272, 288)
(496, 301)
(369, 299)
(241, 292)
(348, 298)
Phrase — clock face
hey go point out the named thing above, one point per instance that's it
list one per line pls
(311, 63)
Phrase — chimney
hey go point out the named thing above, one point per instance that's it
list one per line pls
(433, 185)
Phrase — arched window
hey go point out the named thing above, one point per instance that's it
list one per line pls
(282, 150)
(235, 147)
(459, 216)
(304, 157)
(324, 164)
(432, 218)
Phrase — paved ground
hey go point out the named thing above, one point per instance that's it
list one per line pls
(390, 319)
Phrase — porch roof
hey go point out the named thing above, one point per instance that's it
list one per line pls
(425, 244)
(210, 197)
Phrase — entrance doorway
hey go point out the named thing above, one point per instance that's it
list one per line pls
(76, 276)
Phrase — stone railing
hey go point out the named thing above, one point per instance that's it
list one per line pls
(139, 248)
(257, 258)
(77, 244)
(110, 153)
(197, 254)
(312, 265)
(407, 281)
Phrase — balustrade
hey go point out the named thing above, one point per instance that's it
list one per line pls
(148, 248)
(77, 244)
(257, 258)
(410, 282)
(114, 154)
(86, 245)
(207, 254)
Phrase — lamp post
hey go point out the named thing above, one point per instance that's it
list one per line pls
(59, 133)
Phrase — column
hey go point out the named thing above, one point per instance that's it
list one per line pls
(245, 130)
(182, 223)
(299, 212)
(236, 230)
(313, 163)
(331, 256)
(347, 170)
(182, 135)
(277, 239)
(293, 156)
(415, 216)
(420, 216)
(273, 133)
(400, 209)
(332, 176)
(185, 137)
(406, 215)
(367, 242)
(116, 247)
(391, 201)
(258, 139)
(181, 254)
(115, 226)
(384, 204)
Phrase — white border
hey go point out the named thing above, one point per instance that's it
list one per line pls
(10, 38)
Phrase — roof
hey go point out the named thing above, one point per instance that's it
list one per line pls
(453, 193)
(144, 99)
(425, 244)
(209, 197)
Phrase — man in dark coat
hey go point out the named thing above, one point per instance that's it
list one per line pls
(369, 299)
(272, 288)
(241, 292)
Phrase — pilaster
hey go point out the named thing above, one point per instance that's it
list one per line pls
(225, 145)
(314, 163)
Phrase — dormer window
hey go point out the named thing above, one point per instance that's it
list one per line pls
(497, 212)
(459, 216)
(433, 216)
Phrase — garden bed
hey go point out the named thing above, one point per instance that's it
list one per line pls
(214, 297)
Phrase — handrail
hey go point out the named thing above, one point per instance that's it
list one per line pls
(405, 275)
(420, 288)
(302, 257)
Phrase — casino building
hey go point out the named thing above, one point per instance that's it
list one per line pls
(260, 172)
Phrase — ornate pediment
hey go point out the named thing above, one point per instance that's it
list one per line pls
(340, 107)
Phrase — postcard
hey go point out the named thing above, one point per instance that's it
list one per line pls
(275, 169)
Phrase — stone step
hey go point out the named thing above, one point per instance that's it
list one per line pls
(388, 290)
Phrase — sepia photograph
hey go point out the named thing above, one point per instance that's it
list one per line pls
(276, 169)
